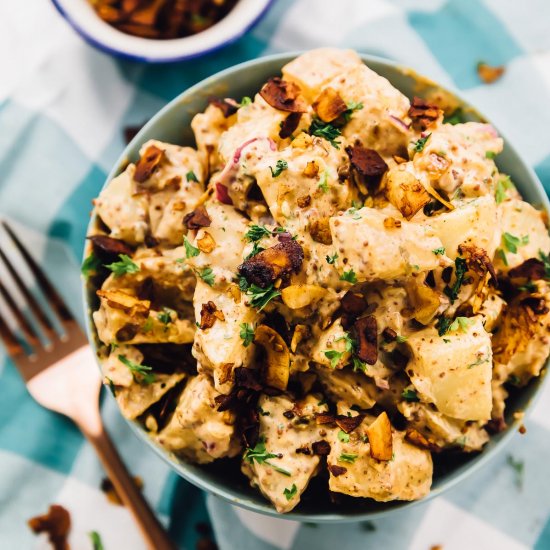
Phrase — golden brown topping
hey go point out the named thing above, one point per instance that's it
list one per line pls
(425, 302)
(325, 418)
(369, 166)
(392, 223)
(380, 438)
(108, 248)
(283, 95)
(227, 106)
(209, 314)
(311, 169)
(119, 299)
(289, 124)
(319, 229)
(303, 201)
(532, 269)
(206, 243)
(353, 303)
(226, 370)
(416, 438)
(300, 332)
(277, 363)
(423, 114)
(349, 423)
(489, 74)
(406, 193)
(321, 448)
(234, 291)
(389, 334)
(197, 218)
(278, 261)
(298, 296)
(336, 470)
(398, 159)
(56, 523)
(367, 335)
(329, 105)
(477, 260)
(148, 163)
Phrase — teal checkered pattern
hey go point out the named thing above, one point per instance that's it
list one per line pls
(63, 106)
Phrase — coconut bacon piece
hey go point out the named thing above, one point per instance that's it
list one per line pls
(283, 95)
(423, 114)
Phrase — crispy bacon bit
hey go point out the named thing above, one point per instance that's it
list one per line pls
(537, 304)
(416, 438)
(336, 470)
(148, 163)
(321, 448)
(127, 332)
(227, 106)
(304, 450)
(56, 523)
(319, 229)
(477, 259)
(329, 105)
(304, 201)
(325, 418)
(289, 124)
(349, 423)
(423, 114)
(209, 314)
(367, 163)
(367, 334)
(311, 169)
(283, 95)
(278, 261)
(206, 243)
(392, 223)
(225, 402)
(353, 303)
(247, 378)
(197, 218)
(389, 334)
(489, 74)
(496, 425)
(108, 248)
(531, 269)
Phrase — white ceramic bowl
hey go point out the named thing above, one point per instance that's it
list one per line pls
(82, 17)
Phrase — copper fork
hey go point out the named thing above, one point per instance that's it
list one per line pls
(63, 377)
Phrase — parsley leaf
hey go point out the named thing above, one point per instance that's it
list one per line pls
(245, 101)
(347, 457)
(326, 131)
(190, 176)
(349, 276)
(257, 232)
(323, 184)
(439, 251)
(461, 268)
(503, 185)
(260, 297)
(352, 107)
(349, 342)
(332, 259)
(421, 143)
(479, 361)
(256, 249)
(490, 155)
(95, 538)
(502, 256)
(147, 376)
(190, 250)
(443, 324)
(261, 456)
(358, 365)
(281, 166)
(456, 117)
(90, 265)
(334, 357)
(207, 275)
(148, 325)
(343, 436)
(410, 395)
(461, 323)
(165, 316)
(246, 334)
(291, 493)
(511, 242)
(545, 258)
(124, 266)
(400, 339)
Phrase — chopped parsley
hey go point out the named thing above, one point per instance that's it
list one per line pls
(343, 436)
(291, 493)
(456, 117)
(519, 468)
(280, 167)
(111, 386)
(165, 316)
(347, 457)
(190, 250)
(261, 456)
(490, 155)
(352, 107)
(246, 334)
(421, 143)
(503, 185)
(349, 342)
(333, 356)
(257, 232)
(95, 538)
(332, 259)
(439, 251)
(400, 339)
(410, 395)
(358, 365)
(480, 361)
(349, 276)
(461, 268)
(545, 258)
(90, 265)
(245, 101)
(207, 275)
(461, 323)
(190, 176)
(147, 376)
(256, 249)
(443, 325)
(511, 242)
(326, 131)
(260, 297)
(148, 325)
(124, 266)
(502, 255)
(323, 184)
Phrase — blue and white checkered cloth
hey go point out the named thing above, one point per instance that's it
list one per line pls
(63, 106)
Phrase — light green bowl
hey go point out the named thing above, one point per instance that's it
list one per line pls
(172, 124)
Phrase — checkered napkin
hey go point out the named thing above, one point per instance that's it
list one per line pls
(63, 106)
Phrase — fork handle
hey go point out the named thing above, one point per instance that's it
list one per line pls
(152, 530)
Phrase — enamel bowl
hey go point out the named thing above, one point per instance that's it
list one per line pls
(172, 124)
(84, 20)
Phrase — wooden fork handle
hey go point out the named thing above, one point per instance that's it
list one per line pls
(153, 532)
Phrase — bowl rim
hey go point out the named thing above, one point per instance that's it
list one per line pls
(104, 47)
(227, 495)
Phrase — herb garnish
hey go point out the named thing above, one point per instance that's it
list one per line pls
(207, 275)
(147, 376)
(349, 276)
(400, 339)
(256, 249)
(439, 251)
(410, 395)
(347, 457)
(352, 107)
(490, 155)
(246, 334)
(529, 286)
(332, 259)
(90, 265)
(461, 323)
(291, 493)
(190, 176)
(443, 324)
(545, 258)
(257, 232)
(148, 325)
(511, 242)
(480, 361)
(95, 538)
(343, 436)
(260, 297)
(261, 456)
(245, 101)
(421, 143)
(190, 250)
(334, 357)
(456, 117)
(124, 266)
(358, 365)
(323, 184)
(503, 185)
(281, 166)
(326, 131)
(461, 268)
(165, 316)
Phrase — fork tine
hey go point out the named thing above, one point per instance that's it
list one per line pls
(54, 299)
(28, 330)
(13, 347)
(33, 304)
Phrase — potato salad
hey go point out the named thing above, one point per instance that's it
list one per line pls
(335, 282)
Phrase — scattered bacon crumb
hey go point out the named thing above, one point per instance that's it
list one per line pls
(496, 425)
(209, 314)
(289, 124)
(532, 269)
(227, 106)
(367, 334)
(353, 303)
(336, 470)
(321, 448)
(418, 439)
(389, 334)
(56, 523)
(283, 95)
(304, 201)
(368, 164)
(325, 418)
(148, 163)
(108, 247)
(349, 423)
(319, 229)
(489, 74)
(423, 114)
(522, 429)
(197, 218)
